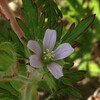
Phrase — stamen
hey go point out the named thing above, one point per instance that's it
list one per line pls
(45, 58)
(52, 51)
(44, 52)
(49, 57)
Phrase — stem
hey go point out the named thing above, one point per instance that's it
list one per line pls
(28, 92)
(23, 78)
(9, 15)
(49, 97)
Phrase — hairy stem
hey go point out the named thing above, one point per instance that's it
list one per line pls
(9, 15)
(28, 92)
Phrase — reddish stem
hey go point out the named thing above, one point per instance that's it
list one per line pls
(9, 15)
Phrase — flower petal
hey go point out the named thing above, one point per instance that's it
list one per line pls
(35, 61)
(55, 69)
(63, 51)
(49, 39)
(34, 46)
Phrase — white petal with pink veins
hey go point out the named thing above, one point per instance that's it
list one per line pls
(55, 69)
(35, 61)
(34, 46)
(63, 51)
(49, 39)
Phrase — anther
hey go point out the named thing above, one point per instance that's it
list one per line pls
(49, 57)
(45, 58)
(44, 52)
(52, 51)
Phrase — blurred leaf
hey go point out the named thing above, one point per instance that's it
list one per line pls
(58, 12)
(75, 8)
(16, 84)
(44, 85)
(23, 70)
(51, 82)
(4, 33)
(93, 69)
(53, 14)
(40, 2)
(82, 65)
(7, 90)
(7, 56)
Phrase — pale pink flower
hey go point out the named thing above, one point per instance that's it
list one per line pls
(47, 56)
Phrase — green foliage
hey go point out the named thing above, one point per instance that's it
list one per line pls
(59, 31)
(70, 91)
(75, 75)
(7, 55)
(73, 33)
(40, 2)
(74, 12)
(34, 26)
(8, 91)
(66, 81)
(93, 69)
(30, 12)
(52, 12)
(51, 83)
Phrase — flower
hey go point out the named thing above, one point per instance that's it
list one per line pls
(47, 55)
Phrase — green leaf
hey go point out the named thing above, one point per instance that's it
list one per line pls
(40, 2)
(58, 12)
(93, 69)
(7, 90)
(7, 56)
(75, 75)
(68, 65)
(4, 31)
(71, 91)
(66, 81)
(51, 82)
(25, 29)
(59, 31)
(44, 85)
(16, 84)
(40, 26)
(53, 14)
(80, 28)
(68, 33)
(31, 13)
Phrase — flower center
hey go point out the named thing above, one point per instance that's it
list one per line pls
(48, 56)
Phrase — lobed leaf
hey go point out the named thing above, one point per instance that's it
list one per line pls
(75, 75)
(7, 56)
(73, 33)
(40, 2)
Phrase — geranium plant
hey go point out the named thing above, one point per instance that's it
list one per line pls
(34, 52)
